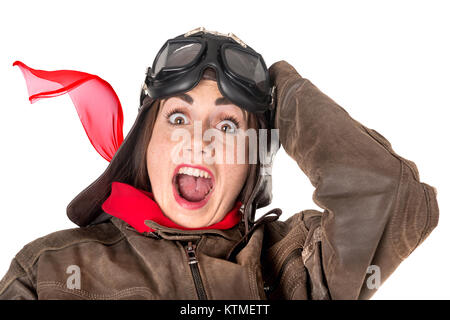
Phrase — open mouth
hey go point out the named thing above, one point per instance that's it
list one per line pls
(192, 186)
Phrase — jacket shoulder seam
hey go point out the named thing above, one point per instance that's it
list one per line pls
(104, 233)
(13, 274)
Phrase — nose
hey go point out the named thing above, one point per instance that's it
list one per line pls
(197, 146)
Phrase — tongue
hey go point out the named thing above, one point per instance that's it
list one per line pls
(193, 188)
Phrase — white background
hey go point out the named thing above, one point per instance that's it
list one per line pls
(387, 63)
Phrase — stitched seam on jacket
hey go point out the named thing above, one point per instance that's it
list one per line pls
(293, 240)
(287, 275)
(30, 257)
(395, 218)
(10, 278)
(86, 294)
(290, 279)
(252, 281)
(434, 209)
(294, 289)
(282, 258)
(428, 222)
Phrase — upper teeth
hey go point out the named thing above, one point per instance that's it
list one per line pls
(194, 172)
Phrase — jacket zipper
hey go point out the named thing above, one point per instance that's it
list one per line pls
(193, 264)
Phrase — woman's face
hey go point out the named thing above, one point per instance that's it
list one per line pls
(194, 184)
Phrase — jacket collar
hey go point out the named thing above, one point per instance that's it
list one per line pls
(138, 209)
(160, 232)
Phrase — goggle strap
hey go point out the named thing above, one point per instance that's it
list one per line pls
(216, 33)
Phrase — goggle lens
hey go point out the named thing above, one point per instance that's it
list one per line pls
(246, 65)
(177, 54)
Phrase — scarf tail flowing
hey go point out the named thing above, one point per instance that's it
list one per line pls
(96, 102)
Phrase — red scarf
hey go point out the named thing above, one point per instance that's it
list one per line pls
(134, 206)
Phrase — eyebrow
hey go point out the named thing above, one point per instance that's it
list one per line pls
(219, 101)
(222, 100)
(185, 97)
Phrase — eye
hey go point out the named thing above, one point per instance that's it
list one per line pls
(227, 126)
(177, 117)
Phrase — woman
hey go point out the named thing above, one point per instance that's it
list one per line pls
(170, 219)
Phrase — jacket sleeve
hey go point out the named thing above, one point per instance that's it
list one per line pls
(17, 284)
(375, 209)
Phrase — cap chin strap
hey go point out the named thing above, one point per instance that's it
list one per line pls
(270, 216)
(252, 204)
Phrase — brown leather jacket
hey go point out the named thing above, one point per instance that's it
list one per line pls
(375, 213)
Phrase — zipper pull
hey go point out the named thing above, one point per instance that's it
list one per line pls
(190, 251)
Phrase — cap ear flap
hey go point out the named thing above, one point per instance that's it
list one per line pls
(85, 208)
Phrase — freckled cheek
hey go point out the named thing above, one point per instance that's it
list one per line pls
(159, 161)
(234, 175)
(162, 143)
(231, 149)
(242, 172)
